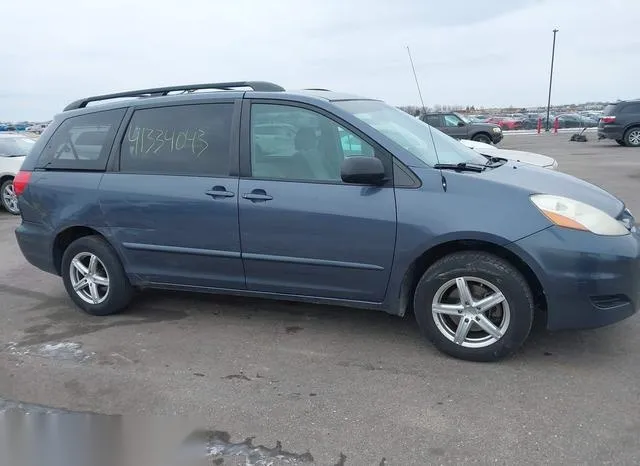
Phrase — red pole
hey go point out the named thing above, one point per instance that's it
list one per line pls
(556, 124)
(539, 125)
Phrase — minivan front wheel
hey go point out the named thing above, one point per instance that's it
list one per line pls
(94, 277)
(474, 306)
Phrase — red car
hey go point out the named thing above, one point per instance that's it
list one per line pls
(506, 123)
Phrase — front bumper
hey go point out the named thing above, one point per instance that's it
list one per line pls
(588, 280)
(496, 137)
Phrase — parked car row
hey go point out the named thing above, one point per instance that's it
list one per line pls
(530, 120)
(24, 126)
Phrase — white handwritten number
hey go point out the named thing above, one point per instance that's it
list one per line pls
(132, 137)
(173, 133)
(150, 137)
(184, 142)
(160, 140)
(193, 140)
(203, 142)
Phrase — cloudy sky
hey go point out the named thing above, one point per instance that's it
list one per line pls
(471, 52)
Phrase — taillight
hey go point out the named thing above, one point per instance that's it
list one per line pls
(20, 182)
(608, 119)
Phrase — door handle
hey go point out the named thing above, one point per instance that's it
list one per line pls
(257, 195)
(219, 191)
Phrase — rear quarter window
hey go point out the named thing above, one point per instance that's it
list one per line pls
(82, 142)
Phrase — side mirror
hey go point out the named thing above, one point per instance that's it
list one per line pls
(461, 123)
(362, 170)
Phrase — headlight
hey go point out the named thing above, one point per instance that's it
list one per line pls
(496, 129)
(569, 213)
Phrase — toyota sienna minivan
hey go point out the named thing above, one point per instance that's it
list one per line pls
(245, 188)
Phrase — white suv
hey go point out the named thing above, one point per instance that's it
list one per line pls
(13, 150)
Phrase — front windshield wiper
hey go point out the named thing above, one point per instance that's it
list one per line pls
(462, 166)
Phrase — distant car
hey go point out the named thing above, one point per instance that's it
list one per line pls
(459, 127)
(13, 149)
(506, 123)
(39, 128)
(574, 120)
(621, 122)
(513, 155)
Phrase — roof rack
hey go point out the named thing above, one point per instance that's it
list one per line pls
(261, 86)
(316, 89)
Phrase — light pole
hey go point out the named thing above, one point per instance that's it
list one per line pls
(553, 53)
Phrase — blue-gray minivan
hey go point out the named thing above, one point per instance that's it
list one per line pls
(245, 188)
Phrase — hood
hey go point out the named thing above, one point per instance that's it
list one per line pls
(485, 126)
(518, 156)
(537, 180)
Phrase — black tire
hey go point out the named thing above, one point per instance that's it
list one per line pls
(5, 204)
(632, 137)
(620, 141)
(481, 137)
(119, 292)
(488, 268)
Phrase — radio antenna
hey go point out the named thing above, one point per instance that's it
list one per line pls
(424, 109)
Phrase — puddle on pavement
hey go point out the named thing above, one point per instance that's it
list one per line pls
(212, 446)
(63, 351)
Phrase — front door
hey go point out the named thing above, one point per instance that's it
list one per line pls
(173, 205)
(304, 231)
(455, 127)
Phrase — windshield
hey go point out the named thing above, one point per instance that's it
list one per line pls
(428, 144)
(463, 118)
(15, 146)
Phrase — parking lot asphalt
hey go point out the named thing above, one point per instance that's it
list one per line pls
(330, 381)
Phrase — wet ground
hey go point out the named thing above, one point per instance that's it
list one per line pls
(340, 385)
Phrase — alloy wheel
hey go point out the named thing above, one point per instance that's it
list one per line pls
(89, 278)
(9, 199)
(634, 137)
(471, 312)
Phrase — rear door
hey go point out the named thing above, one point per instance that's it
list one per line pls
(303, 230)
(171, 203)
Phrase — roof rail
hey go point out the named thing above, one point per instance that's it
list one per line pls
(261, 86)
(316, 89)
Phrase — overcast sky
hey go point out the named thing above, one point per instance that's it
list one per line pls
(471, 52)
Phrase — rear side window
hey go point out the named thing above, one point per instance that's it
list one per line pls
(179, 140)
(82, 142)
(433, 120)
(631, 108)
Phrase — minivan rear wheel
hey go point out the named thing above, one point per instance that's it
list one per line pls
(474, 306)
(94, 277)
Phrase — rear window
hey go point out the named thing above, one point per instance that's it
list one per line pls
(82, 142)
(609, 109)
